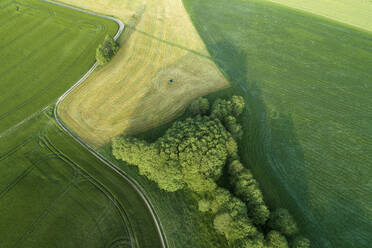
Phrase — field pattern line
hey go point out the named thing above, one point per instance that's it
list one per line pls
(136, 186)
(42, 91)
(43, 214)
(102, 188)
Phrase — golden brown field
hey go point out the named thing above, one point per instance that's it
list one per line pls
(133, 92)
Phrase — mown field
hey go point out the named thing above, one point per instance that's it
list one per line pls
(308, 133)
(44, 49)
(54, 193)
(352, 12)
(134, 92)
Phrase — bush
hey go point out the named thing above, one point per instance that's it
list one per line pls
(300, 242)
(106, 50)
(282, 221)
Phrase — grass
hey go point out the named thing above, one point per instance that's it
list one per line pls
(47, 196)
(134, 93)
(53, 192)
(308, 136)
(352, 12)
(183, 224)
(44, 49)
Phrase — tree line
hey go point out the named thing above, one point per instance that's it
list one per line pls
(192, 155)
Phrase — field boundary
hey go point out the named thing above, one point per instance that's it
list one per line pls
(138, 188)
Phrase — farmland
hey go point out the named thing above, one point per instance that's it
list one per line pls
(307, 134)
(352, 12)
(55, 192)
(43, 50)
(163, 64)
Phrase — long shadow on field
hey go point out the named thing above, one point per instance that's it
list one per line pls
(269, 147)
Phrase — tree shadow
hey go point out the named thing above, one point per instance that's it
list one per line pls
(269, 147)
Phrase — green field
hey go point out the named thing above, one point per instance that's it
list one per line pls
(53, 192)
(44, 49)
(46, 196)
(308, 133)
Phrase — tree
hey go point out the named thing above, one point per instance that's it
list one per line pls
(106, 50)
(254, 242)
(221, 108)
(234, 228)
(214, 201)
(191, 153)
(234, 127)
(276, 240)
(282, 221)
(199, 106)
(247, 189)
(300, 242)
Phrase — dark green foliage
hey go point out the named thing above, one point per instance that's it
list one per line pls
(191, 153)
(247, 189)
(254, 242)
(221, 108)
(106, 50)
(199, 106)
(275, 239)
(234, 227)
(234, 127)
(300, 242)
(214, 201)
(282, 221)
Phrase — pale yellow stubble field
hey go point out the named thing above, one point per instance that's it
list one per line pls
(357, 13)
(133, 92)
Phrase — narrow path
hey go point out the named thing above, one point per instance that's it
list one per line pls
(126, 177)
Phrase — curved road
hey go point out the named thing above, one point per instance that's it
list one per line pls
(130, 180)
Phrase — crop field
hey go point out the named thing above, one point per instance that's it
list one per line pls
(308, 133)
(44, 49)
(162, 65)
(54, 193)
(46, 197)
(352, 12)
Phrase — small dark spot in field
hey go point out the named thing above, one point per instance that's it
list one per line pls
(171, 81)
(17, 8)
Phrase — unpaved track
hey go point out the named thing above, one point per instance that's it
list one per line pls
(131, 181)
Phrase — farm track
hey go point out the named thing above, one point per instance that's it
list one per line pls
(130, 180)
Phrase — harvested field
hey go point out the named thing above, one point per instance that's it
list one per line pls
(162, 65)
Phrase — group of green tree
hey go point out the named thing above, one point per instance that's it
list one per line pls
(107, 50)
(193, 154)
